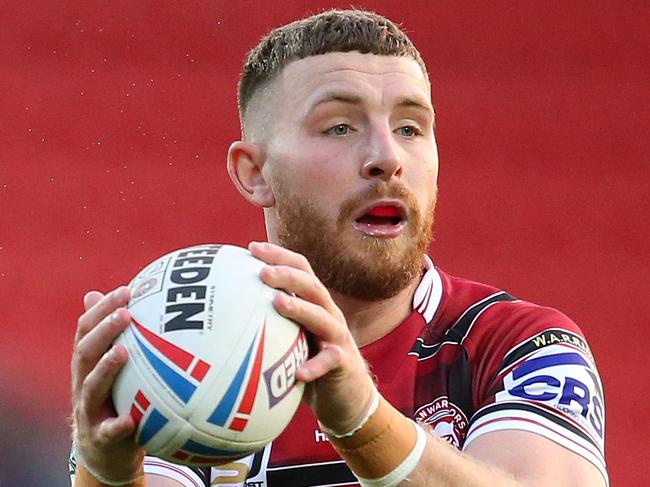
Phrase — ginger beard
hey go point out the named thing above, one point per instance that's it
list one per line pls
(345, 260)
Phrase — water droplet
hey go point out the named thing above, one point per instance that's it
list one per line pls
(29, 130)
(196, 156)
(82, 93)
(52, 178)
(43, 139)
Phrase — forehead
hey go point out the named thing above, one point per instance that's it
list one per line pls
(369, 76)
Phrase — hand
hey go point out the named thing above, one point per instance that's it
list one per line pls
(103, 441)
(339, 389)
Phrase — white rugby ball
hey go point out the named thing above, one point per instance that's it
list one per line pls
(211, 369)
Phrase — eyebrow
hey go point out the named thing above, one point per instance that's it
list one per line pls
(337, 97)
(403, 102)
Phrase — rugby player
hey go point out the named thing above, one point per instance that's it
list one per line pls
(418, 377)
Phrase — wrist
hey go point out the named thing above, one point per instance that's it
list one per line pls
(385, 450)
(351, 416)
(93, 475)
(368, 411)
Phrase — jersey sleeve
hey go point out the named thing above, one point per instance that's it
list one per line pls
(186, 476)
(538, 375)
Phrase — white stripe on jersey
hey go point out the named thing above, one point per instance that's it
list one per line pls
(517, 419)
(180, 473)
(429, 292)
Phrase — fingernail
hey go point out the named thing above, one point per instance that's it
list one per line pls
(119, 294)
(115, 315)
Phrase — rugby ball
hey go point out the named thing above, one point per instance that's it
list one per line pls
(211, 370)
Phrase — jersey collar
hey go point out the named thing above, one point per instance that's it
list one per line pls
(429, 292)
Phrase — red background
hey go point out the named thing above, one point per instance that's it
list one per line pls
(116, 118)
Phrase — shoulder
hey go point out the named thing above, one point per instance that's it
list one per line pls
(483, 316)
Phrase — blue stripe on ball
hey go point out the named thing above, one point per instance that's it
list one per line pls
(197, 448)
(179, 385)
(152, 426)
(220, 415)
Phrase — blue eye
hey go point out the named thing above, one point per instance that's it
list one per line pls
(340, 129)
(408, 131)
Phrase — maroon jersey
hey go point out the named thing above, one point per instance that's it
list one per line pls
(470, 359)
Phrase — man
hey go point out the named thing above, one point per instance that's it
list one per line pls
(418, 377)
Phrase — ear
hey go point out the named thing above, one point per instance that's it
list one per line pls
(245, 163)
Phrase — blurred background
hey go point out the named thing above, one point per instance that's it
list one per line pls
(115, 119)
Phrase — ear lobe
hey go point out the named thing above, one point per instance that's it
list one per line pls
(245, 163)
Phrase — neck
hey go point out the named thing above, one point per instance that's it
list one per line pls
(371, 320)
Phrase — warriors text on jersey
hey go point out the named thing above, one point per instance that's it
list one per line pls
(468, 360)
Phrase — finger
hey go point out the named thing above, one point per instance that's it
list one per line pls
(324, 362)
(93, 346)
(91, 298)
(313, 317)
(112, 430)
(276, 255)
(100, 309)
(97, 385)
(295, 281)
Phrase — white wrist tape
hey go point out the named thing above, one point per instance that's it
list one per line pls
(104, 480)
(402, 471)
(374, 404)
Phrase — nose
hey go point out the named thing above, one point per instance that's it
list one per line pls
(382, 160)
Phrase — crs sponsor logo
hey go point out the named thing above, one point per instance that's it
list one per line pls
(281, 376)
(563, 378)
(446, 419)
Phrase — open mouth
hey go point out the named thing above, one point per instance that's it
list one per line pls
(384, 220)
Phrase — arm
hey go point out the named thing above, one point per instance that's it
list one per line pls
(375, 442)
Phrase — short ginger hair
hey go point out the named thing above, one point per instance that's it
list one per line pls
(327, 32)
